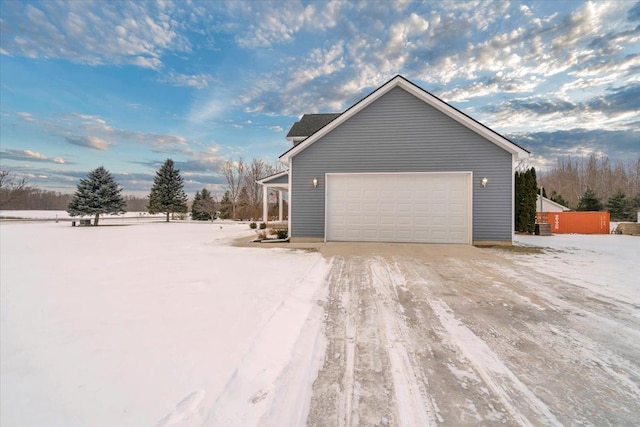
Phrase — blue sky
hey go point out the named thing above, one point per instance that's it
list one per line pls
(126, 85)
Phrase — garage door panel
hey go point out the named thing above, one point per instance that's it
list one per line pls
(411, 207)
(387, 221)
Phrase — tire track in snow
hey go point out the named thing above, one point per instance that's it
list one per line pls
(502, 381)
(591, 338)
(348, 297)
(414, 409)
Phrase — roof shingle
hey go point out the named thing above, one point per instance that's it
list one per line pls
(310, 124)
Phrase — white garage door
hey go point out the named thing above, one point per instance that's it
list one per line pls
(399, 207)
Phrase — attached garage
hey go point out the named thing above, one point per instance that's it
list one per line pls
(400, 165)
(422, 207)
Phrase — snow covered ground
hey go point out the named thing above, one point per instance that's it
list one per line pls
(155, 324)
(142, 323)
(605, 264)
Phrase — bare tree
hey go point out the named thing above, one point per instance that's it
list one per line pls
(13, 189)
(234, 173)
(256, 170)
(210, 206)
(571, 177)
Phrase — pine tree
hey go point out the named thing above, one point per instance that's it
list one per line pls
(559, 199)
(203, 208)
(167, 194)
(226, 206)
(619, 207)
(525, 203)
(243, 205)
(195, 211)
(97, 194)
(589, 202)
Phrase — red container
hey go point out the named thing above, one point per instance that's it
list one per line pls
(578, 222)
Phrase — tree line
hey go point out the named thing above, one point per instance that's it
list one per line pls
(99, 193)
(569, 179)
(591, 184)
(18, 194)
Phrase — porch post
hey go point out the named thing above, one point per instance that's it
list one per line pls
(265, 203)
(280, 218)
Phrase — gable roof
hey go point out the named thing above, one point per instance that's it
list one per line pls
(428, 98)
(551, 202)
(309, 124)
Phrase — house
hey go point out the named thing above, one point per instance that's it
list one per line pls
(547, 205)
(400, 165)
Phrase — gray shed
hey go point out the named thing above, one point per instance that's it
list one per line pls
(400, 165)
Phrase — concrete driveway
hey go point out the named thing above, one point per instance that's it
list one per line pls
(460, 336)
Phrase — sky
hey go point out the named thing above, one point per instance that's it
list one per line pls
(126, 85)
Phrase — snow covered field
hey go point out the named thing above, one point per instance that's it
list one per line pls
(155, 324)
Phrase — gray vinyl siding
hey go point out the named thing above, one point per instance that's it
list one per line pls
(400, 133)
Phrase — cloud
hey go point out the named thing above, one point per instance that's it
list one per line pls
(634, 13)
(197, 81)
(618, 109)
(274, 25)
(93, 33)
(25, 116)
(94, 132)
(619, 100)
(202, 162)
(549, 146)
(490, 86)
(32, 156)
(89, 142)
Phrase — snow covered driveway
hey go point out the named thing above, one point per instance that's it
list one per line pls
(448, 335)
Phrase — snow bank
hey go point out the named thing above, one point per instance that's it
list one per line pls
(155, 324)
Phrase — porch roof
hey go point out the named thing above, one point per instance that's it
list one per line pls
(279, 181)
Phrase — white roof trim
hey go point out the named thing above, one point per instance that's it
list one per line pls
(296, 138)
(423, 95)
(266, 179)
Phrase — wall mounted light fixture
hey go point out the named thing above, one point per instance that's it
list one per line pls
(315, 182)
(484, 181)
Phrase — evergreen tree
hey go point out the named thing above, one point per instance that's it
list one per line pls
(195, 213)
(619, 207)
(97, 194)
(203, 208)
(226, 206)
(589, 202)
(243, 205)
(544, 192)
(167, 194)
(559, 199)
(525, 203)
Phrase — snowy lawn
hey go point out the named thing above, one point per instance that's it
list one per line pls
(155, 324)
(605, 264)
